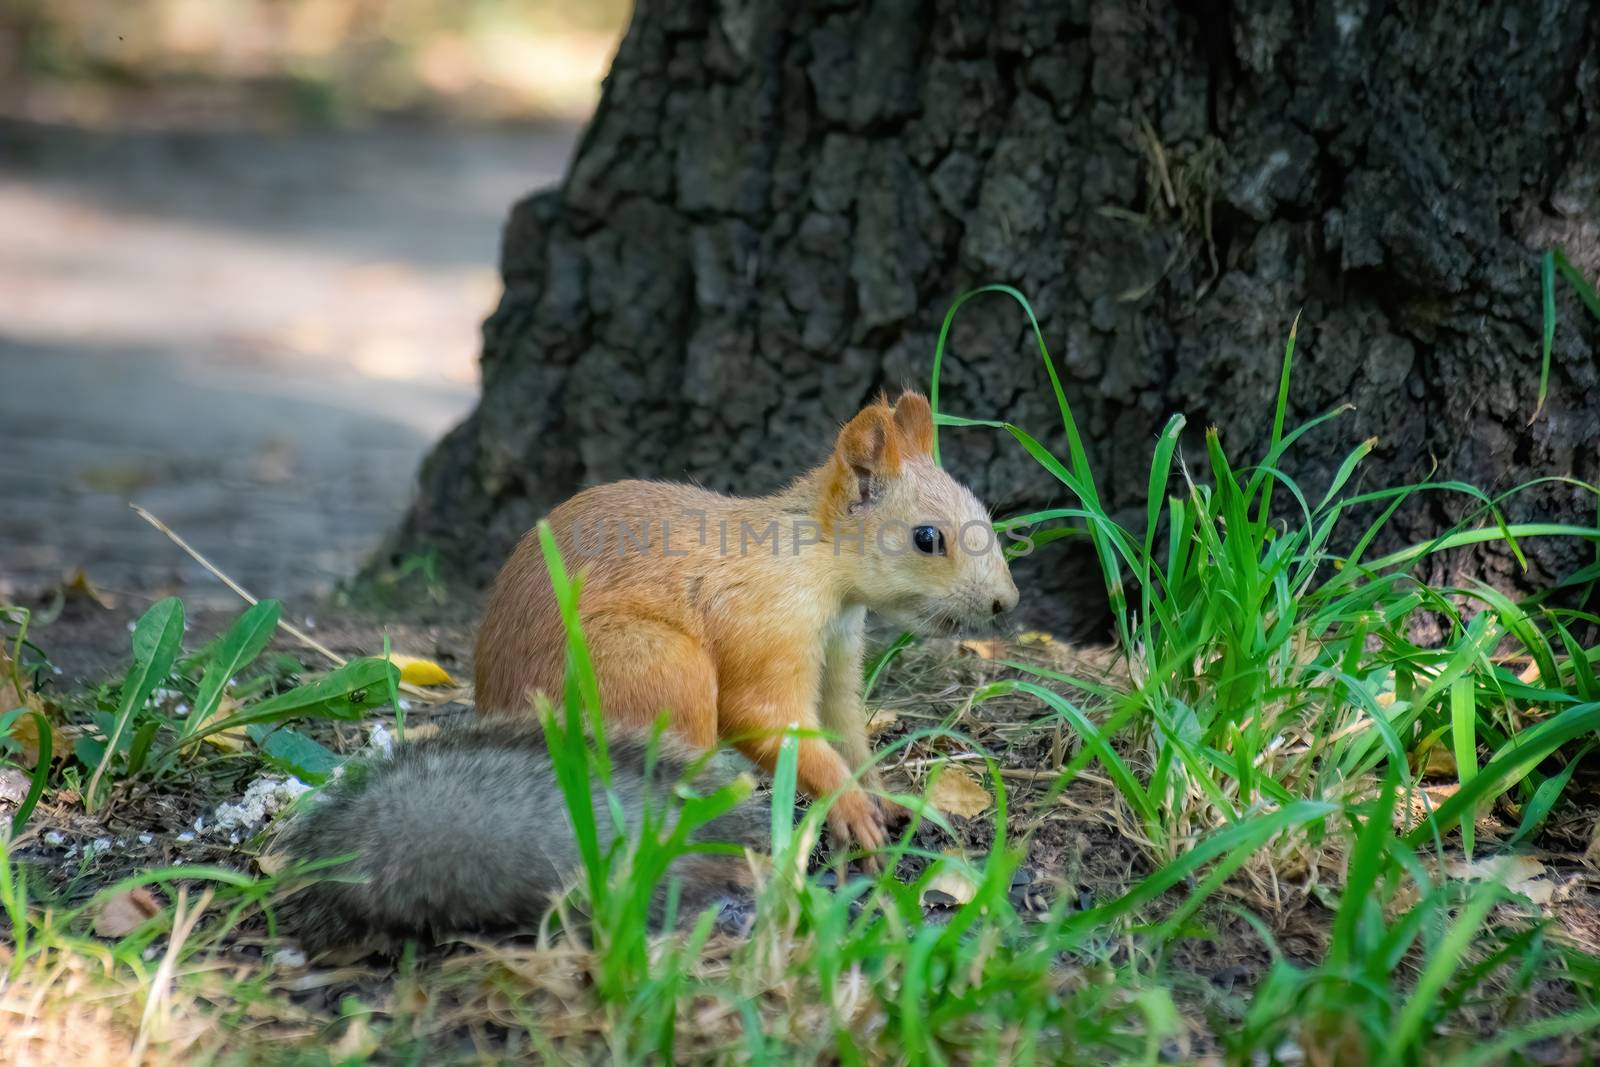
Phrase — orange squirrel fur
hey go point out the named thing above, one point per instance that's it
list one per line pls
(741, 616)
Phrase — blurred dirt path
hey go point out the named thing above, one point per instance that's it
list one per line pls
(253, 335)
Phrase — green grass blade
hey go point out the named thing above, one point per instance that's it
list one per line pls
(881, 662)
(1582, 1020)
(1127, 783)
(1366, 866)
(157, 640)
(581, 677)
(1509, 766)
(237, 649)
(1579, 283)
(1544, 797)
(1547, 283)
(1231, 846)
(37, 780)
(1444, 961)
(1280, 409)
(1160, 471)
(785, 776)
(1464, 740)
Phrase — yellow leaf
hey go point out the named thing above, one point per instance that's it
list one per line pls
(951, 880)
(422, 731)
(25, 730)
(79, 585)
(985, 648)
(1035, 637)
(955, 792)
(1520, 874)
(124, 913)
(418, 671)
(227, 740)
(1438, 762)
(879, 721)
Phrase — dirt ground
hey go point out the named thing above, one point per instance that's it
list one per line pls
(255, 335)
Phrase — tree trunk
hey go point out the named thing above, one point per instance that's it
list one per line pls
(776, 203)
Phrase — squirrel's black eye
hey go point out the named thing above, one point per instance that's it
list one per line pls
(929, 541)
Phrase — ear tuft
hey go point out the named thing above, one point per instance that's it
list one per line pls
(913, 417)
(868, 450)
(866, 443)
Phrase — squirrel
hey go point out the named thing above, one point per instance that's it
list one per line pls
(467, 831)
(742, 616)
(737, 616)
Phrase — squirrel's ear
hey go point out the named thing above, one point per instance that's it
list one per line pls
(867, 451)
(914, 418)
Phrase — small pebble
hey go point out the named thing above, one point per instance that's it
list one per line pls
(289, 956)
(262, 798)
(145, 839)
(185, 837)
(55, 838)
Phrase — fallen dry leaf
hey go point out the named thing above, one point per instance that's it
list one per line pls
(880, 721)
(1520, 874)
(25, 730)
(955, 792)
(124, 913)
(952, 881)
(14, 786)
(356, 1043)
(227, 740)
(1438, 762)
(985, 648)
(272, 862)
(422, 730)
(417, 671)
(1035, 637)
(79, 585)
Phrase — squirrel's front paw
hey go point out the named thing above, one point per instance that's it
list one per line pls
(856, 818)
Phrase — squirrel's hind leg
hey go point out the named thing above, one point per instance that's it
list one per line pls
(645, 666)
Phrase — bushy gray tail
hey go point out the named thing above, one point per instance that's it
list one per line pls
(468, 831)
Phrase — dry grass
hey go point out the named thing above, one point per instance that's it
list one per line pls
(207, 989)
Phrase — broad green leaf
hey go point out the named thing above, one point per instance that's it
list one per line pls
(236, 650)
(157, 638)
(350, 692)
(299, 755)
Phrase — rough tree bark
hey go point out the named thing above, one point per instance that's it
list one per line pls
(776, 202)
